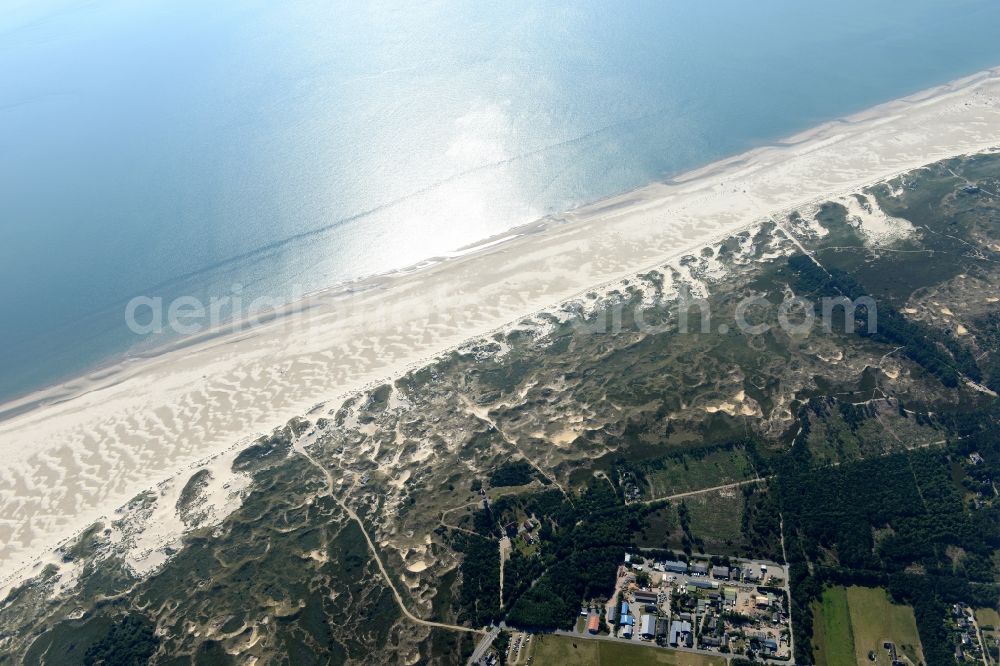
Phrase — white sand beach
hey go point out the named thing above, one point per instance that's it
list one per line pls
(76, 452)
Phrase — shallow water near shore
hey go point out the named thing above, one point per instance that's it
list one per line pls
(175, 149)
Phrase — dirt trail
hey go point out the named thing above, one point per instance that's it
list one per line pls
(701, 491)
(300, 448)
(483, 414)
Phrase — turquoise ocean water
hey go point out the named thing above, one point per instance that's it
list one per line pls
(181, 147)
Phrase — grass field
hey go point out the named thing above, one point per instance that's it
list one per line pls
(989, 624)
(833, 643)
(987, 617)
(553, 650)
(851, 622)
(691, 473)
(715, 518)
(875, 619)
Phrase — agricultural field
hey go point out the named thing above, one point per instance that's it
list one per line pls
(875, 619)
(989, 624)
(987, 617)
(554, 650)
(833, 643)
(851, 623)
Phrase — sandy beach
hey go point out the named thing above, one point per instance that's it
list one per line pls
(77, 451)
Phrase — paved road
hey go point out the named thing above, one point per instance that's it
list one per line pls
(484, 645)
(600, 637)
(979, 637)
(788, 586)
(603, 637)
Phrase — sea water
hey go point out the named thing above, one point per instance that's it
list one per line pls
(179, 147)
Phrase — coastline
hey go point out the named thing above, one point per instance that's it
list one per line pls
(79, 450)
(70, 387)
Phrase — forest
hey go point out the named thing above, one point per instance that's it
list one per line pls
(582, 541)
(129, 642)
(911, 500)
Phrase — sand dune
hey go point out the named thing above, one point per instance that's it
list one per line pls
(76, 452)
